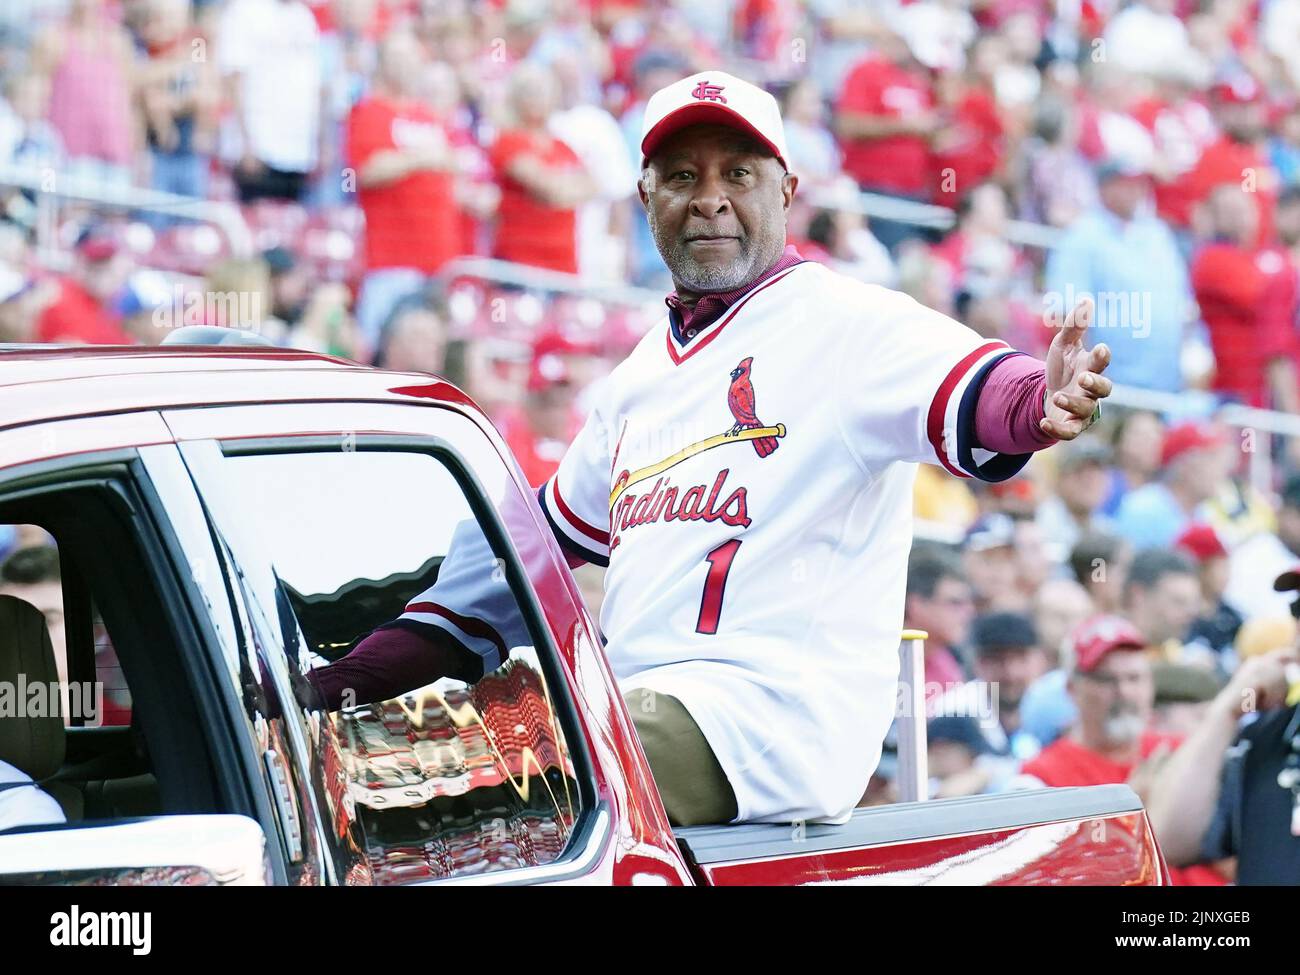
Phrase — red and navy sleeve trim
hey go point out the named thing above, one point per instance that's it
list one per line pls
(950, 424)
(995, 467)
(568, 529)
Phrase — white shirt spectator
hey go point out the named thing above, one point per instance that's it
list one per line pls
(28, 806)
(594, 135)
(1252, 567)
(274, 46)
(1141, 39)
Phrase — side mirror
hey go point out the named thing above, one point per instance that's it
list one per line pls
(219, 851)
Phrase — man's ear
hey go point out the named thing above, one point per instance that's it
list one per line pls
(789, 183)
(643, 187)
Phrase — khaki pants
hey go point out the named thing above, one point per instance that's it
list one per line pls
(691, 783)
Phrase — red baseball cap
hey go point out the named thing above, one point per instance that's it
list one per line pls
(713, 97)
(1241, 89)
(547, 370)
(1201, 542)
(1182, 437)
(1098, 636)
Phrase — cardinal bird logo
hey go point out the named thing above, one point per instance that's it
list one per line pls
(740, 397)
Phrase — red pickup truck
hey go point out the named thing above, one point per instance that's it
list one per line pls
(229, 519)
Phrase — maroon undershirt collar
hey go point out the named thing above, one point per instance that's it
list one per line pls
(689, 321)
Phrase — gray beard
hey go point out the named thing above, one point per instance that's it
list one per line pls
(695, 276)
(1123, 727)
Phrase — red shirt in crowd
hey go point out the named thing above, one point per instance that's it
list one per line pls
(530, 231)
(974, 151)
(75, 316)
(1226, 161)
(1065, 762)
(897, 163)
(413, 221)
(1248, 302)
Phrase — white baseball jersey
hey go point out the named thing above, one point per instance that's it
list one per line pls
(750, 489)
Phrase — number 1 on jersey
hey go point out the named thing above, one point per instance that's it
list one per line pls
(715, 585)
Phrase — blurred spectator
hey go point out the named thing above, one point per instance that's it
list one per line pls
(1193, 458)
(594, 135)
(1100, 563)
(88, 59)
(989, 558)
(939, 602)
(540, 432)
(1258, 560)
(885, 118)
(26, 137)
(1146, 35)
(542, 180)
(179, 94)
(1183, 696)
(1238, 158)
(1058, 184)
(269, 54)
(1059, 606)
(1128, 262)
(1082, 479)
(1112, 741)
(841, 232)
(405, 172)
(955, 746)
(414, 339)
(80, 312)
(1162, 599)
(1217, 624)
(1006, 659)
(1137, 439)
(349, 61)
(1248, 300)
(814, 154)
(968, 148)
(1219, 795)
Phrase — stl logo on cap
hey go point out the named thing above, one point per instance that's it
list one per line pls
(699, 100)
(709, 93)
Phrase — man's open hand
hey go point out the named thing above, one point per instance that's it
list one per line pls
(1075, 384)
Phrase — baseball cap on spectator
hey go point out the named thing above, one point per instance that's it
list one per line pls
(1082, 452)
(960, 731)
(96, 243)
(1240, 89)
(718, 98)
(991, 531)
(1095, 638)
(1289, 581)
(1184, 437)
(279, 260)
(1182, 683)
(547, 371)
(996, 632)
(557, 341)
(1201, 542)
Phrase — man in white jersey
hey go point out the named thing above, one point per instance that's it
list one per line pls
(746, 475)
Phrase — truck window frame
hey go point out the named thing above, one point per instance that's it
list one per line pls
(120, 478)
(591, 831)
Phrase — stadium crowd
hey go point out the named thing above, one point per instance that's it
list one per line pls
(1086, 617)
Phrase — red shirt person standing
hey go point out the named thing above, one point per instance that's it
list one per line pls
(405, 184)
(1247, 297)
(884, 118)
(542, 180)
